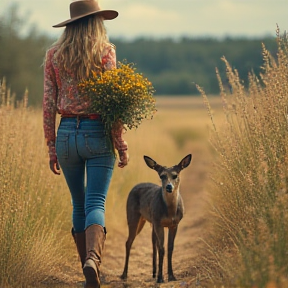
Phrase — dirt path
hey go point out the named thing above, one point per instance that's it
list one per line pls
(192, 228)
(187, 243)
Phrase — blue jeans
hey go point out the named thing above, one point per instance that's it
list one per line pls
(84, 147)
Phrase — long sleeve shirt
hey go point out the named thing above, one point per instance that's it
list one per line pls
(61, 96)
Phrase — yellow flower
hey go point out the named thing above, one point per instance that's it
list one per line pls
(120, 94)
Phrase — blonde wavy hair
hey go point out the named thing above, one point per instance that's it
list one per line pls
(81, 46)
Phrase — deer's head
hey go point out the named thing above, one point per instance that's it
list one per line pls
(169, 176)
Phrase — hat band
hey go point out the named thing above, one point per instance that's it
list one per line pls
(80, 8)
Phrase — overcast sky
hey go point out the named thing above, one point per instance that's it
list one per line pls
(167, 18)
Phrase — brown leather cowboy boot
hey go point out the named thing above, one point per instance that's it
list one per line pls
(95, 238)
(80, 241)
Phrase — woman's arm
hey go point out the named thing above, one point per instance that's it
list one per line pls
(50, 106)
(120, 144)
(108, 63)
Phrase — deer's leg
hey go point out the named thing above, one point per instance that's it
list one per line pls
(135, 225)
(171, 237)
(154, 243)
(159, 231)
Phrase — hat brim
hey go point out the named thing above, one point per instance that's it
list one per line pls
(106, 14)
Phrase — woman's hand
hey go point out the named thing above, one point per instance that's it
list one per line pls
(124, 158)
(54, 165)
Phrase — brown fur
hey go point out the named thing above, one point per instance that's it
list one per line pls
(161, 206)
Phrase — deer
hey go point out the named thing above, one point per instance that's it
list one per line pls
(162, 206)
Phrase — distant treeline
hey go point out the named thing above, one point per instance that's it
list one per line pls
(174, 66)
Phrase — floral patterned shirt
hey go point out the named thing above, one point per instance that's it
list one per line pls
(61, 93)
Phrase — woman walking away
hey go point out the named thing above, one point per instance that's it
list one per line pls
(82, 148)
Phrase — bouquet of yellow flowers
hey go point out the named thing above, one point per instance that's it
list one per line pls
(120, 95)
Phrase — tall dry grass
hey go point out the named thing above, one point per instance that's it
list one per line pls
(249, 179)
(31, 210)
(35, 211)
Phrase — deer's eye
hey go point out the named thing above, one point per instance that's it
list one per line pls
(163, 177)
(174, 176)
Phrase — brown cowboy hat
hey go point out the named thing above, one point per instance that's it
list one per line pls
(83, 8)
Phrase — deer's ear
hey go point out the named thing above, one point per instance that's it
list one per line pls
(185, 161)
(151, 163)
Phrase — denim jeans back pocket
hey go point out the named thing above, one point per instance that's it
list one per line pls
(97, 143)
(62, 150)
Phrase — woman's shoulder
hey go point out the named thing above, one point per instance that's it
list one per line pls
(109, 56)
(52, 50)
(109, 48)
(113, 46)
(50, 54)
